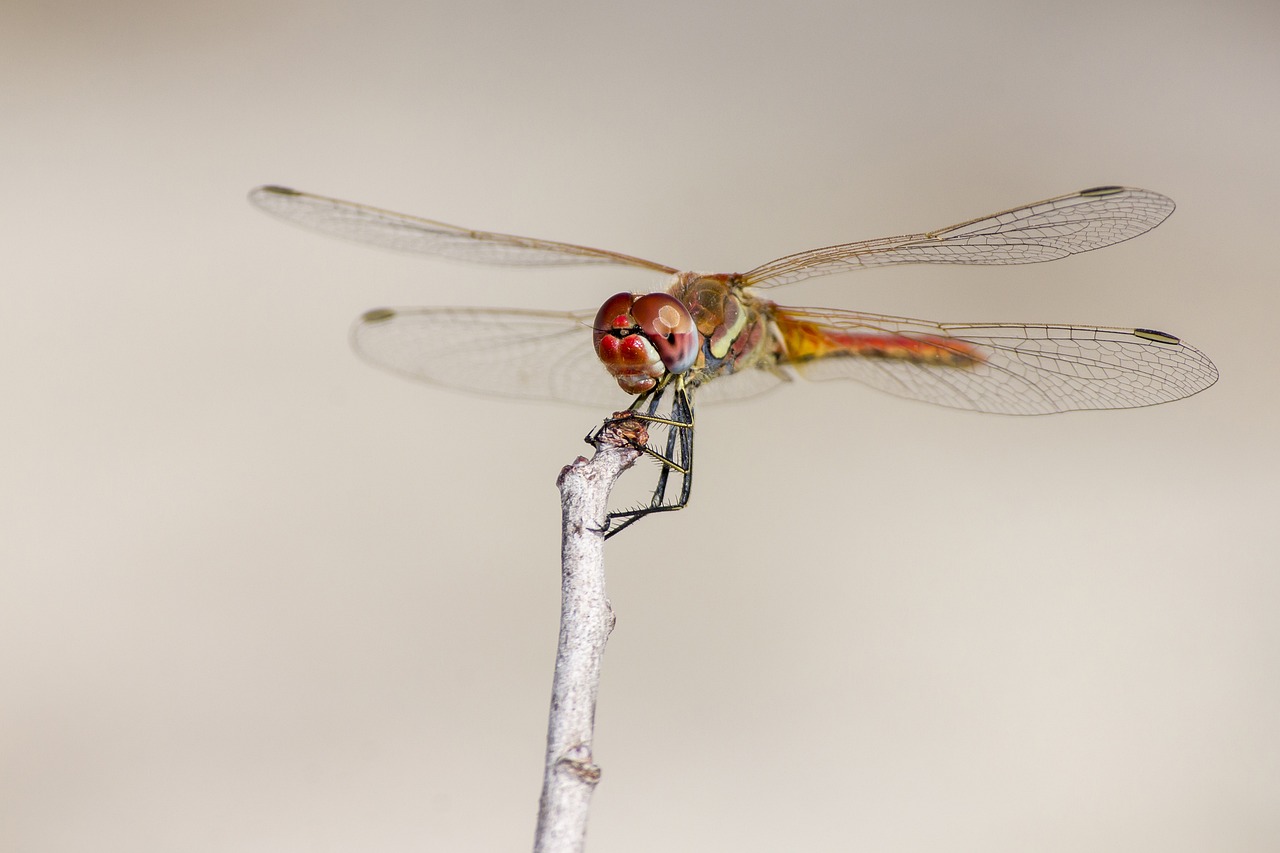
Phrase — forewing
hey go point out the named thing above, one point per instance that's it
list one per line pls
(1024, 369)
(1043, 231)
(531, 355)
(413, 234)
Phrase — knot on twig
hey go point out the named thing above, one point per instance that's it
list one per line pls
(568, 469)
(577, 761)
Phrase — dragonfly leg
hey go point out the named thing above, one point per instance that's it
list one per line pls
(676, 457)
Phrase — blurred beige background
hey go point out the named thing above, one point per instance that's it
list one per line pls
(257, 596)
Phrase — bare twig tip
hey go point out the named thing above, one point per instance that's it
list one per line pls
(622, 430)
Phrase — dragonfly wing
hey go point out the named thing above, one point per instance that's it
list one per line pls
(1015, 368)
(412, 234)
(1043, 231)
(738, 386)
(531, 355)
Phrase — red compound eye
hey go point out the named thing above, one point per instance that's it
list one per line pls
(615, 315)
(639, 339)
(667, 325)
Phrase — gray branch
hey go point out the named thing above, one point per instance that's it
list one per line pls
(586, 619)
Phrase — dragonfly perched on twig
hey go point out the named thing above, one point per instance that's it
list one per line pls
(712, 335)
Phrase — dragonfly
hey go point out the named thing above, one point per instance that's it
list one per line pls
(714, 336)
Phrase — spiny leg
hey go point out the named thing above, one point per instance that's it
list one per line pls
(678, 458)
(680, 428)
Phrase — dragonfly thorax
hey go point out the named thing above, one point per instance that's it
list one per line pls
(713, 302)
(641, 337)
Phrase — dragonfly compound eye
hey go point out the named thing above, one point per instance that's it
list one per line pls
(666, 323)
(641, 338)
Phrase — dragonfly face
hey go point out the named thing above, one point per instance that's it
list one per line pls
(712, 334)
(640, 338)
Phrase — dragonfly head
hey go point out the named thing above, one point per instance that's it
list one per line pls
(641, 337)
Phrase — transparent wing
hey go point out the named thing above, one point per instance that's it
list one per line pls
(1022, 369)
(738, 386)
(413, 234)
(532, 355)
(1043, 231)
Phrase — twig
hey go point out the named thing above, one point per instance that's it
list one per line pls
(586, 619)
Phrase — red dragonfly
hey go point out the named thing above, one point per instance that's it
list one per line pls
(710, 333)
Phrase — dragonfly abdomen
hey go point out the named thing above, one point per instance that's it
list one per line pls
(805, 341)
